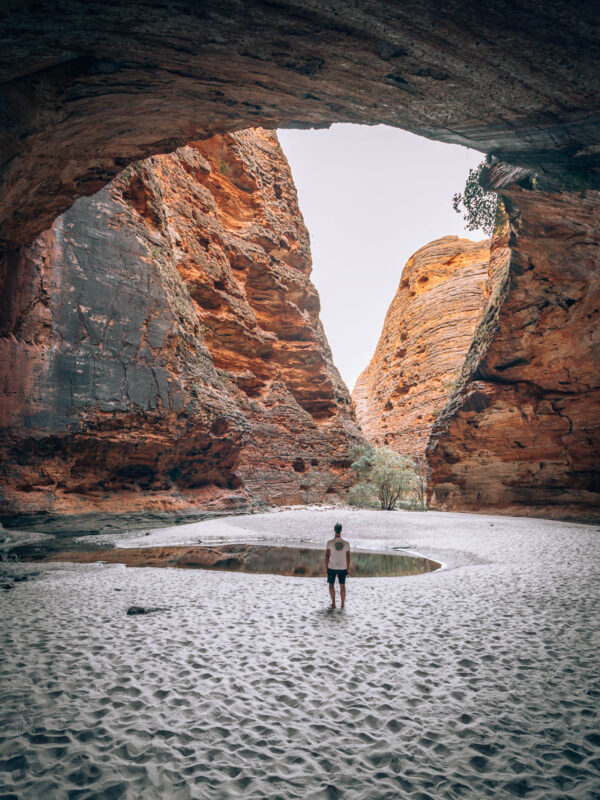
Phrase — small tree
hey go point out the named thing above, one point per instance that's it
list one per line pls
(383, 473)
(482, 206)
(421, 468)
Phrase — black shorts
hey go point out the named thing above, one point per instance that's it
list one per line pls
(341, 575)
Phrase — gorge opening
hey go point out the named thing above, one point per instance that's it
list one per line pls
(371, 196)
(520, 431)
(175, 357)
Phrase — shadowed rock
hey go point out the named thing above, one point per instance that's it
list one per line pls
(84, 94)
(162, 348)
(135, 611)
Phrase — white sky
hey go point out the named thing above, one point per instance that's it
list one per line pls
(371, 197)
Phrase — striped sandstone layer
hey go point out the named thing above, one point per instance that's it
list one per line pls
(426, 335)
(84, 93)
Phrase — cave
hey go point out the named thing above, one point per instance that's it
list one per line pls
(88, 94)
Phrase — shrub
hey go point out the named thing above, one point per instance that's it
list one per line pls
(483, 208)
(421, 468)
(410, 505)
(384, 475)
(363, 495)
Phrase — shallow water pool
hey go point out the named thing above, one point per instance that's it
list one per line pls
(266, 559)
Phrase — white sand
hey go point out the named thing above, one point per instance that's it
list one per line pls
(480, 680)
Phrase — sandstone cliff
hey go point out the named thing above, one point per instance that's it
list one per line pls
(160, 346)
(522, 432)
(493, 373)
(426, 335)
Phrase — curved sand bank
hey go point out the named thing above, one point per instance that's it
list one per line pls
(480, 680)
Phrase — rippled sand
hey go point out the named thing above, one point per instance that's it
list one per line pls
(480, 680)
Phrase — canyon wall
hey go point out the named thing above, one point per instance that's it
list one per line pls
(160, 345)
(490, 367)
(522, 431)
(426, 335)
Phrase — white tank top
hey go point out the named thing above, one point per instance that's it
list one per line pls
(337, 553)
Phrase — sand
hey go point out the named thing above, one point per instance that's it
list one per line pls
(479, 680)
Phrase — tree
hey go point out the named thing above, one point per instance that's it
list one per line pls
(421, 468)
(482, 207)
(383, 474)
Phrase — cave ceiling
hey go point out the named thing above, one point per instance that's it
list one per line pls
(88, 88)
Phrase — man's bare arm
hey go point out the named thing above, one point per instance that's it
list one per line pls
(327, 554)
(348, 559)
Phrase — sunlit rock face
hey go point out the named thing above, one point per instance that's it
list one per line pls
(85, 92)
(522, 432)
(160, 346)
(426, 335)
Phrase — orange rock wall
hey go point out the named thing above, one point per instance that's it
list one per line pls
(522, 432)
(427, 332)
(161, 346)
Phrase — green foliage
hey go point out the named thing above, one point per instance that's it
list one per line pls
(363, 495)
(384, 475)
(481, 206)
(411, 505)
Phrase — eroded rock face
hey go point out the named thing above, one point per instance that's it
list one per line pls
(427, 333)
(161, 345)
(86, 91)
(522, 433)
(493, 373)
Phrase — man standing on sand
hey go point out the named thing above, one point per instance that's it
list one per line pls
(337, 561)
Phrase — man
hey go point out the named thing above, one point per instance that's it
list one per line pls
(337, 561)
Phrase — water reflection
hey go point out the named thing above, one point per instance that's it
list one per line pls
(271, 559)
(302, 562)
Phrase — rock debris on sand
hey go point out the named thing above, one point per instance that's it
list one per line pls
(480, 680)
(134, 611)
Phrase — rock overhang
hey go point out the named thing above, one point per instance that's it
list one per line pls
(86, 92)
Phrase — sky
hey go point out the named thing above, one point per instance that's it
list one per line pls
(370, 196)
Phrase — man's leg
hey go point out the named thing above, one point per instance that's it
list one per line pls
(331, 582)
(342, 579)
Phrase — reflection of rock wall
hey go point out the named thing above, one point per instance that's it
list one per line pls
(427, 332)
(523, 432)
(300, 562)
(161, 345)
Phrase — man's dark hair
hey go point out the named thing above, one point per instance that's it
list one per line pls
(337, 527)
